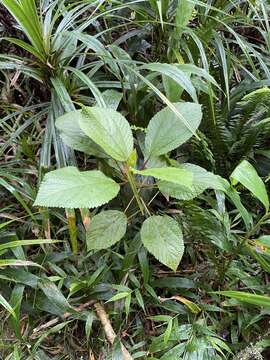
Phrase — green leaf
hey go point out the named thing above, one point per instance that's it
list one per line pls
(70, 188)
(264, 240)
(162, 237)
(253, 299)
(164, 318)
(119, 296)
(183, 14)
(25, 13)
(248, 177)
(202, 180)
(139, 299)
(88, 324)
(106, 229)
(26, 46)
(172, 90)
(174, 175)
(7, 306)
(15, 302)
(109, 129)
(16, 262)
(168, 332)
(236, 200)
(176, 74)
(74, 137)
(112, 98)
(166, 131)
(17, 243)
(95, 91)
(54, 296)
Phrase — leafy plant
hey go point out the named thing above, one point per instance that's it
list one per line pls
(109, 130)
(122, 113)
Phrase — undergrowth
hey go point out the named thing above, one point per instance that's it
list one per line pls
(134, 179)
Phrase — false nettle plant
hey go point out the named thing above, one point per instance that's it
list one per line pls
(105, 133)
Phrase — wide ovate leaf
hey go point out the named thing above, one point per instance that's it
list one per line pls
(106, 229)
(70, 188)
(109, 129)
(174, 175)
(202, 180)
(162, 237)
(245, 174)
(74, 137)
(166, 131)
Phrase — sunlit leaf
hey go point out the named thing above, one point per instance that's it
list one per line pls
(162, 237)
(106, 229)
(70, 188)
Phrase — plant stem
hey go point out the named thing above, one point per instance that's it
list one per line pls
(72, 228)
(134, 189)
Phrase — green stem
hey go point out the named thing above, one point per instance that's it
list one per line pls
(72, 228)
(134, 189)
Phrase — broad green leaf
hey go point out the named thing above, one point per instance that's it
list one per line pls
(109, 129)
(253, 299)
(174, 175)
(176, 74)
(74, 137)
(166, 131)
(248, 177)
(69, 188)
(172, 89)
(162, 237)
(183, 13)
(106, 229)
(202, 180)
(112, 98)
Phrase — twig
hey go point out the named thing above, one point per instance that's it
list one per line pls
(109, 332)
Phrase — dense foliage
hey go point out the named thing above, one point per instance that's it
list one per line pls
(134, 168)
